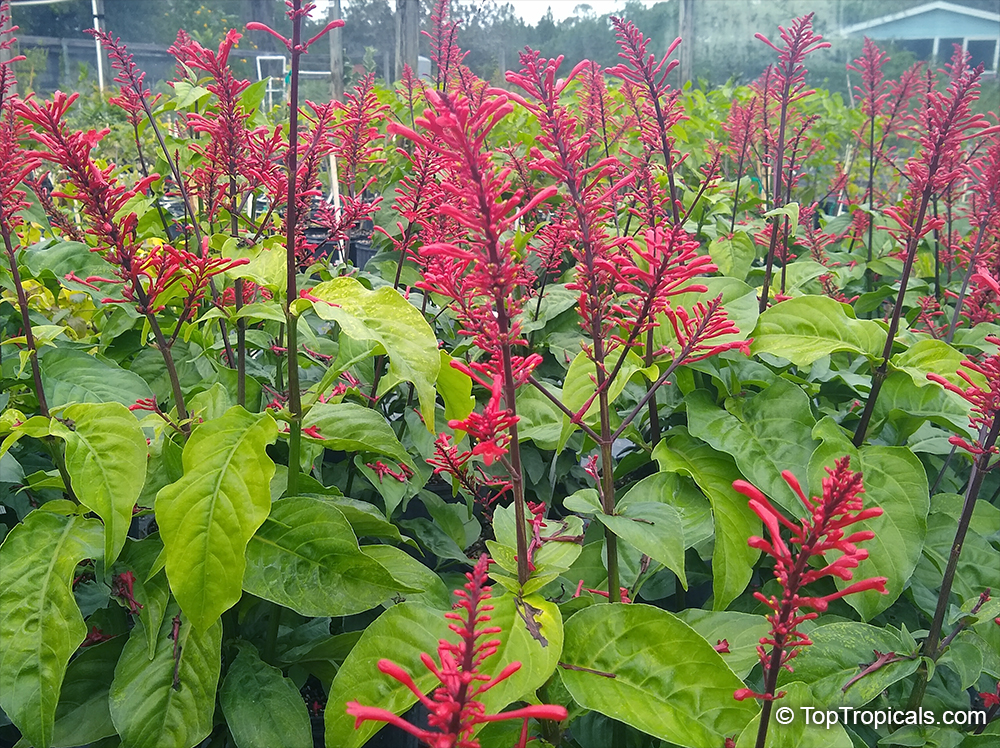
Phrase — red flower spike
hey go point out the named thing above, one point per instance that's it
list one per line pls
(454, 706)
(985, 401)
(18, 163)
(822, 530)
(488, 428)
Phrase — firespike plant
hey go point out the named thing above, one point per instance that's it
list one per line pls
(613, 335)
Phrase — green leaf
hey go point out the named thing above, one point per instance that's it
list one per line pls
(208, 516)
(354, 428)
(579, 384)
(714, 472)
(908, 405)
(733, 255)
(789, 211)
(62, 258)
(83, 715)
(266, 266)
(70, 376)
(410, 572)
(934, 356)
(188, 94)
(839, 652)
(807, 328)
(682, 693)
(305, 556)
(106, 462)
(40, 622)
(765, 434)
(150, 587)
(650, 526)
(455, 388)
(147, 710)
(262, 707)
(895, 480)
(400, 634)
(741, 631)
(531, 633)
(385, 316)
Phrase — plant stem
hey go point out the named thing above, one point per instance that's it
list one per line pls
(273, 626)
(22, 303)
(654, 413)
(882, 371)
(930, 647)
(291, 288)
(777, 201)
(241, 323)
(516, 477)
(175, 382)
(872, 161)
(965, 284)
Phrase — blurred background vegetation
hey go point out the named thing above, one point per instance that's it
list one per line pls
(723, 47)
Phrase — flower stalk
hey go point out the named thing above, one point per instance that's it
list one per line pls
(822, 530)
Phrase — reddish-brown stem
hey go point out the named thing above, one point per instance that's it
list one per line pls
(22, 304)
(291, 286)
(777, 201)
(241, 323)
(882, 371)
(930, 649)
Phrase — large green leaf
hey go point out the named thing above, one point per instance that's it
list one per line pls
(106, 461)
(150, 587)
(839, 652)
(907, 405)
(733, 254)
(895, 480)
(455, 388)
(383, 315)
(934, 356)
(62, 258)
(654, 527)
(742, 633)
(532, 634)
(766, 434)
(83, 715)
(681, 693)
(262, 707)
(305, 556)
(151, 709)
(70, 376)
(208, 516)
(400, 634)
(350, 427)
(714, 472)
(810, 327)
(40, 622)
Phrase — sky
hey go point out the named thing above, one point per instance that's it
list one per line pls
(532, 11)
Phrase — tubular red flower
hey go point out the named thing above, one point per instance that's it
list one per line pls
(455, 708)
(821, 531)
(984, 400)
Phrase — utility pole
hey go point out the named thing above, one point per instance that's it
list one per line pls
(336, 55)
(686, 32)
(97, 7)
(407, 35)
